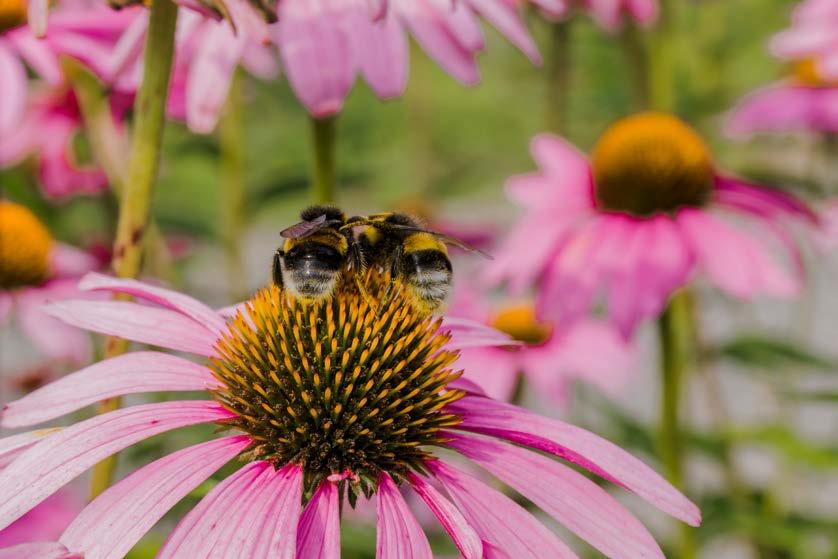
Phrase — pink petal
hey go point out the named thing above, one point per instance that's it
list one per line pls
(470, 333)
(316, 53)
(607, 460)
(201, 533)
(494, 370)
(116, 520)
(738, 263)
(573, 500)
(318, 536)
(37, 15)
(760, 201)
(173, 300)
(277, 536)
(52, 337)
(463, 535)
(506, 528)
(559, 159)
(69, 261)
(13, 78)
(140, 323)
(382, 53)
(506, 19)
(398, 533)
(45, 467)
(37, 54)
(132, 373)
(38, 550)
(11, 447)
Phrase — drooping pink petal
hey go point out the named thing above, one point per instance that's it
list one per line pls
(132, 373)
(381, 50)
(11, 447)
(738, 263)
(199, 534)
(463, 535)
(760, 201)
(116, 520)
(68, 261)
(52, 337)
(38, 550)
(13, 90)
(48, 465)
(37, 54)
(607, 460)
(506, 528)
(494, 370)
(140, 323)
(173, 300)
(277, 536)
(573, 500)
(505, 18)
(318, 535)
(398, 533)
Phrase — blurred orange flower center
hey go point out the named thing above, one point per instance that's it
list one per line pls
(12, 14)
(519, 321)
(806, 73)
(651, 163)
(24, 247)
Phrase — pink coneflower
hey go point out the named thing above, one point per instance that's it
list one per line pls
(45, 522)
(804, 102)
(637, 221)
(590, 351)
(325, 45)
(47, 131)
(34, 270)
(813, 35)
(325, 401)
(614, 14)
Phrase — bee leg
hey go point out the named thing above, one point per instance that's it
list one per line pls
(358, 272)
(395, 270)
(364, 293)
(276, 269)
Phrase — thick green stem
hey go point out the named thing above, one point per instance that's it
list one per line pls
(135, 201)
(676, 337)
(558, 73)
(663, 48)
(323, 184)
(233, 184)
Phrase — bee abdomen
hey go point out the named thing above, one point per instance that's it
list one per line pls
(310, 270)
(428, 274)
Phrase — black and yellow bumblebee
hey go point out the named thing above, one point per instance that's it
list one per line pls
(326, 244)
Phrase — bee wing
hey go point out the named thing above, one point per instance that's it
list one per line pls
(305, 228)
(447, 239)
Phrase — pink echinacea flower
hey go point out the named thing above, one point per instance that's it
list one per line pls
(325, 401)
(638, 220)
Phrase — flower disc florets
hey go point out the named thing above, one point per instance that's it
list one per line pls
(651, 163)
(24, 247)
(12, 14)
(337, 386)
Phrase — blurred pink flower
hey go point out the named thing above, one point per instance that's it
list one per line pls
(34, 271)
(637, 222)
(50, 124)
(325, 45)
(45, 522)
(590, 351)
(257, 511)
(812, 35)
(613, 14)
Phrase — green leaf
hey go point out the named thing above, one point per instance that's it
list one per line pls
(771, 354)
(784, 440)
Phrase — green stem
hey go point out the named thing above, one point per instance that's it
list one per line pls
(662, 51)
(558, 76)
(637, 59)
(676, 337)
(135, 201)
(323, 183)
(233, 184)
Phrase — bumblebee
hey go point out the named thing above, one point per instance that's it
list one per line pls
(326, 243)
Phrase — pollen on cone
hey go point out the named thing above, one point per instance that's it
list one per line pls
(25, 245)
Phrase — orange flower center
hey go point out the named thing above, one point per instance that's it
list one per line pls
(519, 322)
(651, 163)
(12, 14)
(24, 247)
(806, 73)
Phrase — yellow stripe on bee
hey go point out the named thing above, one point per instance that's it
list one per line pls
(423, 241)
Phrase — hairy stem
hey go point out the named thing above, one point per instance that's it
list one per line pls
(637, 59)
(324, 178)
(676, 336)
(558, 76)
(135, 200)
(663, 49)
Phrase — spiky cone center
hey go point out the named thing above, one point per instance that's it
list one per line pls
(12, 14)
(338, 387)
(806, 73)
(651, 163)
(520, 322)
(25, 245)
